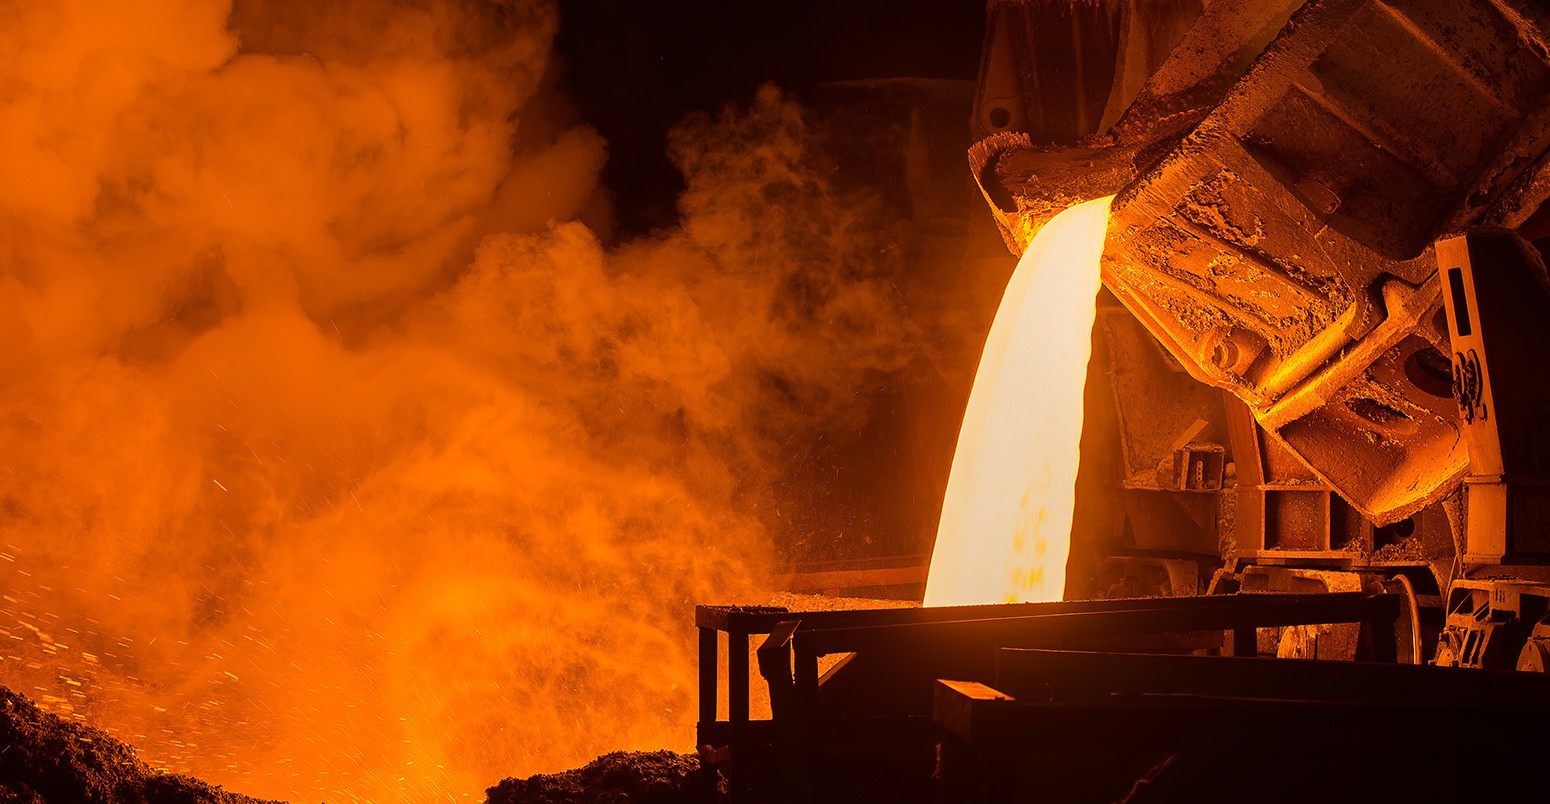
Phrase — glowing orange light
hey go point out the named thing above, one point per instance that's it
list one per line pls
(1006, 521)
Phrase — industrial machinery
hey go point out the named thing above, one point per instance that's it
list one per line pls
(1326, 209)
(1325, 432)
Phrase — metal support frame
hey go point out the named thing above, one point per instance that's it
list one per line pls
(925, 642)
(1085, 676)
(1083, 722)
(1496, 304)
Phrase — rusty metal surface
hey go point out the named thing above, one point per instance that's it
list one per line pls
(1279, 244)
(1157, 403)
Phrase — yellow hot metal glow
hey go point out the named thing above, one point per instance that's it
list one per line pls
(1006, 521)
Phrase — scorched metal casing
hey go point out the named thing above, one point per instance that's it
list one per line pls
(1273, 228)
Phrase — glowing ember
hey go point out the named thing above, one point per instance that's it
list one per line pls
(1006, 521)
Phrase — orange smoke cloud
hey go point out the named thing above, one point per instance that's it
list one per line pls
(336, 459)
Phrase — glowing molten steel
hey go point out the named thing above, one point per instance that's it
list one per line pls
(1006, 522)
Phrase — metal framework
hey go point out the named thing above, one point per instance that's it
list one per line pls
(869, 719)
(1096, 726)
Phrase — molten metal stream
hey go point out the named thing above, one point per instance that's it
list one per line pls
(1006, 522)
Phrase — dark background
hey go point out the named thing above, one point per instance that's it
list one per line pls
(633, 69)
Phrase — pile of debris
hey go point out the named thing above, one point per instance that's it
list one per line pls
(655, 777)
(46, 758)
